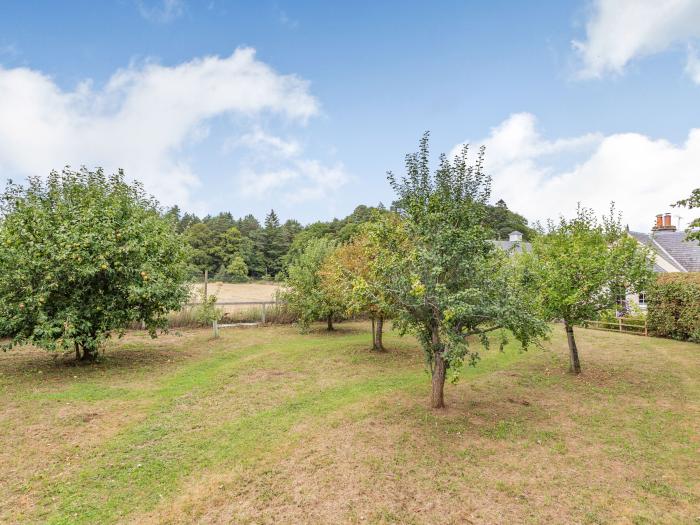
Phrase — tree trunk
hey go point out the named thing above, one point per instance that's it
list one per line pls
(88, 355)
(378, 344)
(437, 399)
(77, 351)
(374, 335)
(574, 364)
(330, 323)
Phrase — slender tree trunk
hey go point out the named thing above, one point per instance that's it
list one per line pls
(437, 399)
(574, 364)
(88, 355)
(330, 323)
(77, 351)
(374, 335)
(378, 343)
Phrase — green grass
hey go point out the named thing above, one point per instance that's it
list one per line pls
(266, 422)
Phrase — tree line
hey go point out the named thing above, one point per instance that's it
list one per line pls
(236, 250)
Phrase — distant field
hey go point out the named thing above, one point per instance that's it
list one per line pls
(238, 292)
(265, 425)
(230, 292)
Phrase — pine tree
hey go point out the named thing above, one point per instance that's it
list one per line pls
(273, 245)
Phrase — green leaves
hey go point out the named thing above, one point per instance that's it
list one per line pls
(446, 279)
(304, 292)
(692, 202)
(579, 266)
(85, 254)
(674, 306)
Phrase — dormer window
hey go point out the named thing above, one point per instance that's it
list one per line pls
(515, 236)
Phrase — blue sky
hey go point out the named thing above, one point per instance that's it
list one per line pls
(303, 106)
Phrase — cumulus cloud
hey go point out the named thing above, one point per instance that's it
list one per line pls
(141, 119)
(295, 178)
(692, 66)
(618, 31)
(260, 141)
(543, 178)
(161, 11)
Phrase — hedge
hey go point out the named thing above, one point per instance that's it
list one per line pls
(673, 306)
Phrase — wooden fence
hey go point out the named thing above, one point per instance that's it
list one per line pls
(621, 324)
(262, 304)
(263, 315)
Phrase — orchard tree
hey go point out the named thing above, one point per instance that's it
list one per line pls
(84, 255)
(305, 293)
(351, 271)
(447, 282)
(581, 266)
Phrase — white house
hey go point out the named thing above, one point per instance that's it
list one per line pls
(674, 251)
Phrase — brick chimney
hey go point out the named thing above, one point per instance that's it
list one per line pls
(664, 223)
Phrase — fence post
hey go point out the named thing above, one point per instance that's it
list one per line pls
(645, 327)
(619, 322)
(215, 326)
(206, 280)
(263, 313)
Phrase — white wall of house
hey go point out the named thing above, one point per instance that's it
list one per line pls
(636, 300)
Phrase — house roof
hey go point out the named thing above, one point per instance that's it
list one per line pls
(674, 248)
(516, 246)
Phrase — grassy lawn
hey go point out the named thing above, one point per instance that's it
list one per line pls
(265, 425)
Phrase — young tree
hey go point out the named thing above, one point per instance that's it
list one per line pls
(83, 255)
(352, 273)
(446, 280)
(304, 292)
(580, 266)
(237, 269)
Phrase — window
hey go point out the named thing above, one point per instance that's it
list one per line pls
(642, 299)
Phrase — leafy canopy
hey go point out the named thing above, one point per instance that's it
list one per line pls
(352, 270)
(305, 292)
(445, 278)
(581, 266)
(84, 254)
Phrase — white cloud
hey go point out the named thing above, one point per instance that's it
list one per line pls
(641, 174)
(257, 184)
(295, 178)
(264, 143)
(692, 66)
(618, 31)
(141, 119)
(161, 11)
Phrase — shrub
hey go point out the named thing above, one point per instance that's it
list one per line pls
(673, 306)
(207, 312)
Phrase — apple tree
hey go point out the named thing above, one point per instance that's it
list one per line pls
(581, 266)
(447, 282)
(84, 255)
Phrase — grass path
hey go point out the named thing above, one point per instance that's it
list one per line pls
(266, 423)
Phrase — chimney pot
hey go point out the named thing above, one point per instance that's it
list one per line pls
(667, 220)
(659, 221)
